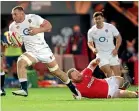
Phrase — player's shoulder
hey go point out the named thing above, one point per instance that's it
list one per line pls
(108, 25)
(12, 24)
(92, 29)
(30, 15)
(86, 71)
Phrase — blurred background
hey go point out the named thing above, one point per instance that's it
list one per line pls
(68, 40)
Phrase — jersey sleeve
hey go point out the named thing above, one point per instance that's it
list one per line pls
(115, 32)
(89, 36)
(87, 71)
(38, 19)
(10, 27)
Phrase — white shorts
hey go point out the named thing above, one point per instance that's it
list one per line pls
(113, 86)
(107, 58)
(44, 55)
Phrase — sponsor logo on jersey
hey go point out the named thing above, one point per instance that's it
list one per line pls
(91, 82)
(103, 39)
(106, 30)
(17, 27)
(29, 20)
(26, 31)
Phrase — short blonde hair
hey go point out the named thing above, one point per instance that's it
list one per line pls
(70, 71)
(18, 8)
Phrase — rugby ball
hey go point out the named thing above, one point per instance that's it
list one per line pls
(16, 39)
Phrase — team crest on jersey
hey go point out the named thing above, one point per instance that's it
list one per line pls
(106, 30)
(51, 57)
(29, 20)
(17, 27)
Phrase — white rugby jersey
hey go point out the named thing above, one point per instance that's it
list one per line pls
(32, 43)
(104, 37)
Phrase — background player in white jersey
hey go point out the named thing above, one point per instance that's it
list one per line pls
(102, 34)
(32, 27)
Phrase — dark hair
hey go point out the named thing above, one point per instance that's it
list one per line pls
(18, 8)
(96, 14)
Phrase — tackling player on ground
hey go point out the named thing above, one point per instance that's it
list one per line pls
(32, 27)
(91, 87)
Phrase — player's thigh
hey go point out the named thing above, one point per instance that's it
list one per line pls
(116, 70)
(51, 64)
(119, 81)
(113, 85)
(27, 58)
(115, 65)
(107, 70)
(53, 67)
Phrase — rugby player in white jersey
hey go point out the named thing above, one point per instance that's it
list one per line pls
(101, 42)
(32, 27)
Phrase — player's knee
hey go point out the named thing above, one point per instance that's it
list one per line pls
(54, 69)
(120, 80)
(23, 61)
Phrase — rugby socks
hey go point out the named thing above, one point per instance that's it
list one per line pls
(125, 86)
(2, 82)
(71, 87)
(24, 84)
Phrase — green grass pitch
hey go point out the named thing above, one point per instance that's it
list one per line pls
(60, 99)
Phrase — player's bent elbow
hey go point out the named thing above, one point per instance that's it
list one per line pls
(50, 28)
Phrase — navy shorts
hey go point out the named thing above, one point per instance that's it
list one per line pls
(11, 60)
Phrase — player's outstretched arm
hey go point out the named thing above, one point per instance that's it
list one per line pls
(92, 65)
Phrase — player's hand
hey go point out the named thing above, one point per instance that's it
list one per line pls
(14, 45)
(5, 44)
(33, 31)
(95, 51)
(114, 52)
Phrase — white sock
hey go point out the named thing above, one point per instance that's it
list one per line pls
(2, 73)
(67, 82)
(22, 79)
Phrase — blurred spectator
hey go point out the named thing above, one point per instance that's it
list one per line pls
(129, 54)
(11, 55)
(77, 43)
(57, 42)
(113, 23)
(82, 7)
(60, 41)
(128, 57)
(98, 7)
(66, 32)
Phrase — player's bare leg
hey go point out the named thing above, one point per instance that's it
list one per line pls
(125, 94)
(55, 70)
(122, 83)
(116, 70)
(107, 70)
(23, 61)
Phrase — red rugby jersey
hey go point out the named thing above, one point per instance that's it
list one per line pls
(92, 87)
